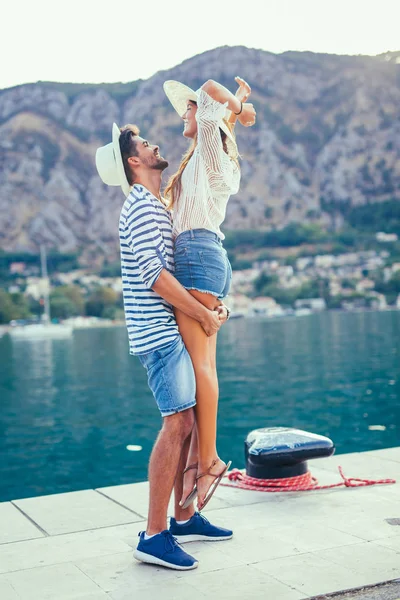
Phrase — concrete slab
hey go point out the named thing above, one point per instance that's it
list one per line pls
(61, 582)
(65, 548)
(391, 542)
(311, 574)
(364, 465)
(135, 497)
(75, 511)
(286, 546)
(386, 454)
(242, 583)
(14, 526)
(7, 592)
(389, 591)
(373, 561)
(171, 590)
(121, 572)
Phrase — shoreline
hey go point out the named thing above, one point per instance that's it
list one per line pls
(104, 323)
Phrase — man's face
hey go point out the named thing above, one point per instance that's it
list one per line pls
(149, 155)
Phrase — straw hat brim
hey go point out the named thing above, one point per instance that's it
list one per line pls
(179, 94)
(109, 163)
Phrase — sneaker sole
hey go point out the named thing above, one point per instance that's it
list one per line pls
(201, 538)
(149, 558)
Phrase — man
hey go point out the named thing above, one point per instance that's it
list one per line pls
(150, 291)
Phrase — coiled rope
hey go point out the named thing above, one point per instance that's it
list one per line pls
(298, 483)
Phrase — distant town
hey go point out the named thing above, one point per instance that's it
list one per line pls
(295, 285)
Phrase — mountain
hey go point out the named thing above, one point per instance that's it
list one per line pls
(327, 137)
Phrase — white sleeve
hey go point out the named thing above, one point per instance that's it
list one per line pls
(209, 114)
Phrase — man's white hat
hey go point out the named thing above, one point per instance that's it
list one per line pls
(179, 94)
(109, 163)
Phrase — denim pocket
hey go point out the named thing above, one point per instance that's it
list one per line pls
(180, 251)
(148, 360)
(213, 264)
(165, 351)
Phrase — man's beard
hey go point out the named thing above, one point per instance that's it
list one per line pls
(159, 164)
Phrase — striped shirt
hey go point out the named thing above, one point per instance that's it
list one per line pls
(145, 235)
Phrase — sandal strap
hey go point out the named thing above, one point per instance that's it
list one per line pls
(192, 466)
(214, 462)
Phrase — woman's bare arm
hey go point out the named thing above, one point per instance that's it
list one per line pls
(221, 94)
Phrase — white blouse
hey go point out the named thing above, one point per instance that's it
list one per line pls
(210, 177)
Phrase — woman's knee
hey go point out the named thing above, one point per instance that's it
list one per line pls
(208, 300)
(205, 370)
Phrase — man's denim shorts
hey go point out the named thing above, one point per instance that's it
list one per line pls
(201, 262)
(171, 377)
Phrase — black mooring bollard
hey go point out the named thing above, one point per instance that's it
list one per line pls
(279, 452)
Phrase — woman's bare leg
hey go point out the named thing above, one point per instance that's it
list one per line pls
(189, 478)
(202, 352)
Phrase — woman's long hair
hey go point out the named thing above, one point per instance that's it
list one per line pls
(174, 185)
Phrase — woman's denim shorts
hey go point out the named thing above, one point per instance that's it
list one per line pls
(201, 262)
(171, 377)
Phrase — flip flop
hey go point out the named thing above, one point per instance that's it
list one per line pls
(215, 484)
(193, 494)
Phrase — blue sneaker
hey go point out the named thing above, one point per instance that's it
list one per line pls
(163, 549)
(198, 528)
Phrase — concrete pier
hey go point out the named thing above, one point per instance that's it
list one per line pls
(286, 546)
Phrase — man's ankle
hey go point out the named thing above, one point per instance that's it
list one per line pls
(154, 531)
(184, 515)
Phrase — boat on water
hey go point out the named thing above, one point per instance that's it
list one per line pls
(45, 329)
(41, 331)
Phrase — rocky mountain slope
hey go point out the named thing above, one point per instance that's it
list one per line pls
(327, 136)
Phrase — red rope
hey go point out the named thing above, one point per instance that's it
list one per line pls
(299, 483)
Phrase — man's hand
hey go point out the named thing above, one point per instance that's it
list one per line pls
(211, 322)
(244, 90)
(222, 311)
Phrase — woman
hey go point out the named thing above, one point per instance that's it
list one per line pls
(198, 194)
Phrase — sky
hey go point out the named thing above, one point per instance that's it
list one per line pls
(95, 41)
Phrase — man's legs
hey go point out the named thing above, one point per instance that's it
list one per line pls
(195, 527)
(159, 546)
(189, 449)
(163, 466)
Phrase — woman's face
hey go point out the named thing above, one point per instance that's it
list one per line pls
(189, 119)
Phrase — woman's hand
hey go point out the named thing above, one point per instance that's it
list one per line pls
(244, 90)
(211, 322)
(247, 117)
(223, 313)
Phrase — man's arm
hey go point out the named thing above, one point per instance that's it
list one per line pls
(143, 236)
(173, 292)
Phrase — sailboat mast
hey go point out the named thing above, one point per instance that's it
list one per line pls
(46, 287)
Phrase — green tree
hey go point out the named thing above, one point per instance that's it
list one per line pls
(102, 303)
(13, 306)
(285, 296)
(8, 310)
(66, 301)
(264, 280)
(21, 305)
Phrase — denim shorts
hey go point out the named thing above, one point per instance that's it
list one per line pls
(201, 262)
(171, 377)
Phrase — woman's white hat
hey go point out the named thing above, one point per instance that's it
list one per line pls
(179, 94)
(109, 163)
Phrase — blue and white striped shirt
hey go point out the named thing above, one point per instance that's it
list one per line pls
(145, 235)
